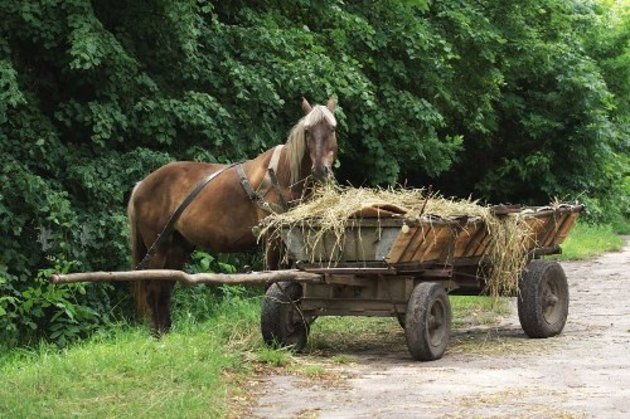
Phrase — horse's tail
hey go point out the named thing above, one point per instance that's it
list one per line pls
(138, 251)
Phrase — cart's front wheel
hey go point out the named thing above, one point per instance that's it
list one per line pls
(428, 321)
(281, 322)
(543, 301)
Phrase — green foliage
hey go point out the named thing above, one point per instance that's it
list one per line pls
(503, 100)
(63, 313)
(194, 305)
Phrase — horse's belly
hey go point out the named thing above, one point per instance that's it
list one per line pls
(222, 236)
(231, 244)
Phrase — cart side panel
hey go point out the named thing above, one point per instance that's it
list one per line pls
(471, 240)
(407, 241)
(358, 244)
(437, 243)
(425, 243)
(566, 227)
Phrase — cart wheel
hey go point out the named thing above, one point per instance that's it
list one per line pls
(428, 321)
(281, 321)
(543, 301)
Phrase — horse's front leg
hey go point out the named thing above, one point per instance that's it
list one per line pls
(273, 252)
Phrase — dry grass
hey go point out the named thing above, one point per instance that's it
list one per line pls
(329, 211)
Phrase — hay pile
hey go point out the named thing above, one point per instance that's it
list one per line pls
(331, 207)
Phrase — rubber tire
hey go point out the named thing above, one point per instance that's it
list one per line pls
(543, 301)
(428, 321)
(280, 324)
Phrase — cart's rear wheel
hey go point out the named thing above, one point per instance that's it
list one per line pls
(281, 322)
(543, 301)
(428, 321)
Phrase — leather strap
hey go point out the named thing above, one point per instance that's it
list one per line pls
(268, 182)
(251, 194)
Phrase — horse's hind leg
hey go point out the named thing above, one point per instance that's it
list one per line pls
(158, 295)
(160, 303)
(163, 303)
(153, 290)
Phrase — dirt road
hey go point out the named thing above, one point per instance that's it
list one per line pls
(487, 371)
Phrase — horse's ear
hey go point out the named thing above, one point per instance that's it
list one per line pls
(332, 102)
(306, 106)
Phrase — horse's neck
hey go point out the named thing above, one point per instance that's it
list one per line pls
(291, 190)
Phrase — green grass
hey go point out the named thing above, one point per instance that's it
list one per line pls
(586, 241)
(478, 311)
(130, 374)
(273, 357)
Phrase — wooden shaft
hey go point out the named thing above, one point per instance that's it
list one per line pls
(264, 277)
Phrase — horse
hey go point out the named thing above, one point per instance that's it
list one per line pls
(221, 216)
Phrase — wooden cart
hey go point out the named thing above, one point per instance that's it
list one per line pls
(407, 268)
(396, 267)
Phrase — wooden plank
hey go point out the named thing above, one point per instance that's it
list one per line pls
(464, 238)
(544, 228)
(563, 224)
(443, 248)
(402, 242)
(552, 231)
(421, 245)
(352, 306)
(482, 246)
(470, 239)
(566, 228)
(420, 239)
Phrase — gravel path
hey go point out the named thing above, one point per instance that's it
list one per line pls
(489, 371)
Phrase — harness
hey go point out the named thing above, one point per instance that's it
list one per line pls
(258, 197)
(270, 181)
(170, 224)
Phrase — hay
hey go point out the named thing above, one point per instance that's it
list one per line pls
(331, 207)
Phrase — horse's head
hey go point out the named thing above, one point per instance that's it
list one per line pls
(312, 143)
(320, 138)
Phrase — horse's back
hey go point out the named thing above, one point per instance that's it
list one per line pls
(158, 194)
(179, 171)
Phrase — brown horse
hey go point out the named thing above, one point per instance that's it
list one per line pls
(221, 217)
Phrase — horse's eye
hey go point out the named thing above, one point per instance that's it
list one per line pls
(333, 129)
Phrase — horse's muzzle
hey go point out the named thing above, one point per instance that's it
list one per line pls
(322, 174)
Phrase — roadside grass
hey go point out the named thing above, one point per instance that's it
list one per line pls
(586, 241)
(128, 373)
